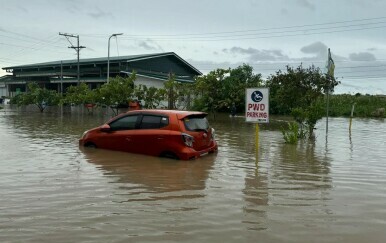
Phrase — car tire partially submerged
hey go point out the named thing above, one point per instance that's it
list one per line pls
(169, 155)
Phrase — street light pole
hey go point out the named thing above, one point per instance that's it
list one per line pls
(108, 56)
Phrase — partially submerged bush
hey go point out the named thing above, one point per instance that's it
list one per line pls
(291, 134)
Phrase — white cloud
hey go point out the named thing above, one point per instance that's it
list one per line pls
(306, 4)
(257, 55)
(317, 48)
(97, 13)
(362, 56)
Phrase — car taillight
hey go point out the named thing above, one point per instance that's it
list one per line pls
(188, 140)
(213, 134)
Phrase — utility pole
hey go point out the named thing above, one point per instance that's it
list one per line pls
(76, 48)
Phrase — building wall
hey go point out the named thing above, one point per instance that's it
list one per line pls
(3, 90)
(149, 82)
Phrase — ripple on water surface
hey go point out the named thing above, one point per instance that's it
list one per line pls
(330, 190)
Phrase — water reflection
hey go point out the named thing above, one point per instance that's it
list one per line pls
(285, 176)
(330, 190)
(256, 199)
(143, 176)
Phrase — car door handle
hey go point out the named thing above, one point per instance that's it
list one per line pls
(160, 138)
(128, 139)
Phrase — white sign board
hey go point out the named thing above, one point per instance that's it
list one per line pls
(257, 105)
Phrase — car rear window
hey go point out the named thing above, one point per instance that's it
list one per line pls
(196, 123)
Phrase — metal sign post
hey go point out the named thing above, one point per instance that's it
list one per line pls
(257, 108)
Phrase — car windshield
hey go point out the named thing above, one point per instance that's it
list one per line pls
(196, 123)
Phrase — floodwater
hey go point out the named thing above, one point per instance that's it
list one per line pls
(330, 190)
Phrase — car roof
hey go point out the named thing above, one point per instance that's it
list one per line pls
(180, 114)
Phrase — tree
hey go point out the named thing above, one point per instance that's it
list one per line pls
(235, 84)
(151, 96)
(119, 91)
(35, 95)
(221, 89)
(81, 95)
(177, 93)
(298, 92)
(208, 90)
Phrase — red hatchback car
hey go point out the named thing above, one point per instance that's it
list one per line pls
(167, 133)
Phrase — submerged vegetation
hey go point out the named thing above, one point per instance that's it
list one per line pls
(41, 97)
(293, 133)
(297, 92)
(365, 105)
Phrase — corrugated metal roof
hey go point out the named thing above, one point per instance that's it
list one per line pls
(6, 78)
(131, 58)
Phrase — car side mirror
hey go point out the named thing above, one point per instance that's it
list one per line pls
(105, 128)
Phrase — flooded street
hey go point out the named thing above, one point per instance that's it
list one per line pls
(329, 190)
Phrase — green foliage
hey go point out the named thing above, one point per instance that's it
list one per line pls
(300, 116)
(292, 133)
(151, 96)
(80, 94)
(298, 92)
(297, 88)
(235, 84)
(208, 91)
(313, 114)
(219, 89)
(186, 91)
(35, 95)
(177, 93)
(366, 105)
(119, 90)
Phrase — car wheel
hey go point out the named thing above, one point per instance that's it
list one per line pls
(90, 145)
(169, 155)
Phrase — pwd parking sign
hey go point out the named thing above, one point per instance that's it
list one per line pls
(257, 105)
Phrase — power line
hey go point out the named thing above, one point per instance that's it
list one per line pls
(364, 76)
(273, 69)
(27, 47)
(287, 31)
(15, 54)
(242, 31)
(36, 43)
(77, 48)
(265, 37)
(181, 37)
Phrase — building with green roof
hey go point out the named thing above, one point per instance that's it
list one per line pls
(151, 69)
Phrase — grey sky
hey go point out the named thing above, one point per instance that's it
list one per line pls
(267, 34)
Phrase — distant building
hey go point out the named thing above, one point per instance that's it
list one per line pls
(151, 69)
(3, 87)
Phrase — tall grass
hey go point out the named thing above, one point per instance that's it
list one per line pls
(365, 105)
(291, 134)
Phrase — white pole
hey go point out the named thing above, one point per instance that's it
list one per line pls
(351, 116)
(108, 56)
(327, 108)
(61, 77)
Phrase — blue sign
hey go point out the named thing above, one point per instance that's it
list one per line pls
(256, 96)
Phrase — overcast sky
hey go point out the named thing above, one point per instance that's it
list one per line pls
(266, 34)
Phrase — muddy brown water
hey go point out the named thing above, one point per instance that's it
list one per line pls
(329, 190)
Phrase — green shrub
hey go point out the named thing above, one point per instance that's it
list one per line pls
(291, 134)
